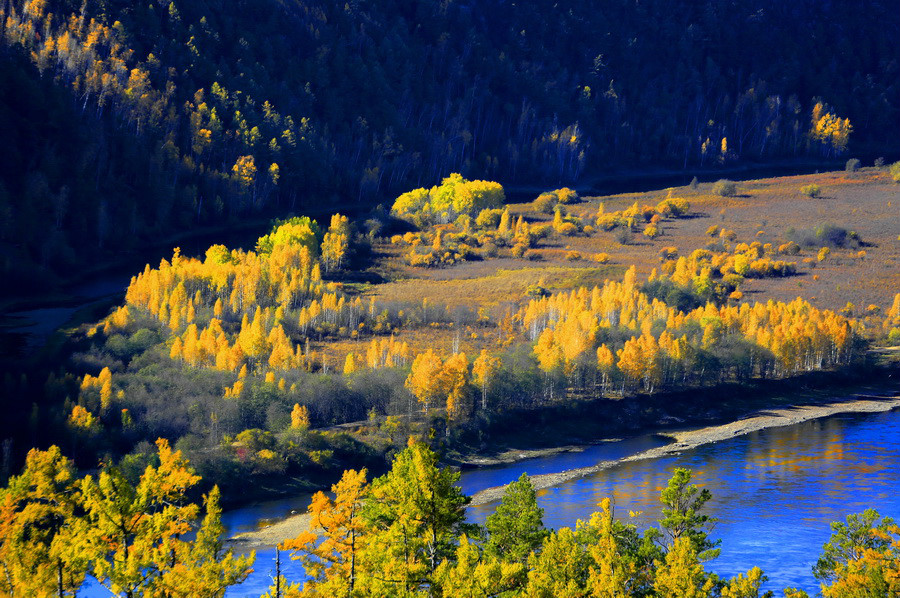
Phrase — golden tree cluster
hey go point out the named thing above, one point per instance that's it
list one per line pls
(645, 343)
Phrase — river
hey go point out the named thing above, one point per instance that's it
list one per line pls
(774, 492)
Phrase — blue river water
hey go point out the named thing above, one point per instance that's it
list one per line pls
(774, 493)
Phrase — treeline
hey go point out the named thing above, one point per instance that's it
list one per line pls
(123, 122)
(402, 534)
(223, 353)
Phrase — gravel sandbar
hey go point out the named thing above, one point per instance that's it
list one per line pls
(682, 440)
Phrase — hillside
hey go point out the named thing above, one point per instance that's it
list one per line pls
(125, 122)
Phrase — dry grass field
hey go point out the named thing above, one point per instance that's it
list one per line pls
(866, 201)
(764, 210)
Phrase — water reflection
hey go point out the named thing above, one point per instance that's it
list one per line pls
(475, 480)
(774, 491)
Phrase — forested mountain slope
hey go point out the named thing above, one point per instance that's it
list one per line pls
(124, 121)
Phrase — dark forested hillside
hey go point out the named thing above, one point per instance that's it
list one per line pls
(123, 121)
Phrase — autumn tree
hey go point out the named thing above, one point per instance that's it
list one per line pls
(484, 370)
(37, 512)
(614, 572)
(244, 171)
(330, 549)
(473, 573)
(300, 417)
(861, 559)
(829, 129)
(682, 514)
(455, 383)
(299, 231)
(425, 381)
(133, 535)
(415, 513)
(455, 196)
(516, 528)
(203, 566)
(681, 575)
(336, 243)
(560, 569)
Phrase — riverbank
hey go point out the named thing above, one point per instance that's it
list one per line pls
(682, 440)
(691, 438)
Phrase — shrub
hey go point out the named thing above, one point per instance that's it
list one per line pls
(765, 267)
(789, 248)
(519, 249)
(467, 252)
(609, 221)
(573, 256)
(545, 203)
(600, 258)
(727, 235)
(489, 218)
(675, 207)
(422, 260)
(713, 231)
(444, 203)
(852, 165)
(537, 290)
(566, 195)
(623, 235)
(567, 229)
(724, 188)
(732, 281)
(548, 200)
(373, 227)
(811, 190)
(541, 231)
(464, 223)
(647, 212)
(488, 249)
(651, 231)
(895, 172)
(879, 162)
(824, 234)
(668, 253)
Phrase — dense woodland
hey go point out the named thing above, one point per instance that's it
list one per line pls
(123, 122)
(402, 534)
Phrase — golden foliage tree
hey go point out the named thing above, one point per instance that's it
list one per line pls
(330, 550)
(132, 535)
(36, 529)
(425, 381)
(484, 369)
